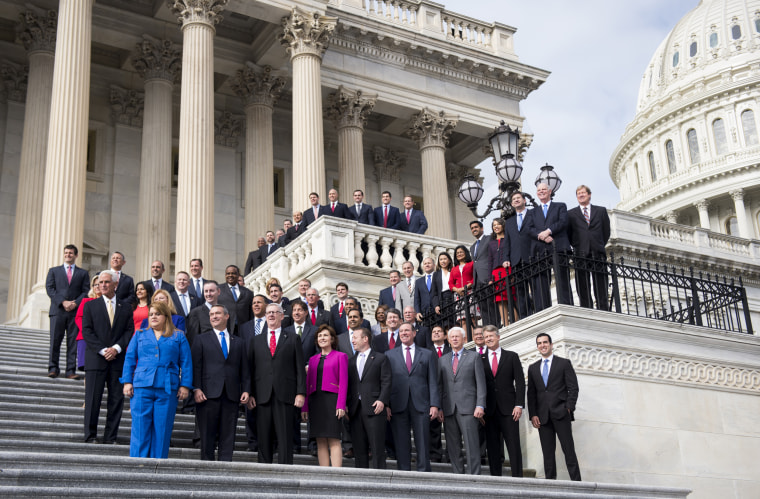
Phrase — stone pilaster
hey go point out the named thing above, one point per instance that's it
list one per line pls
(37, 31)
(159, 62)
(195, 189)
(702, 207)
(305, 36)
(349, 109)
(65, 174)
(741, 213)
(259, 88)
(431, 132)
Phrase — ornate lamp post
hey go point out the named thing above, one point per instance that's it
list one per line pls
(548, 176)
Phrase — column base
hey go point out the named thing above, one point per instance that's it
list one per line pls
(34, 313)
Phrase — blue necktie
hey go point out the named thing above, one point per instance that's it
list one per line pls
(545, 372)
(519, 221)
(234, 295)
(428, 282)
(224, 344)
(257, 330)
(545, 208)
(475, 249)
(198, 288)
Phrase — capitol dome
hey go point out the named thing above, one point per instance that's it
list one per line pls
(691, 153)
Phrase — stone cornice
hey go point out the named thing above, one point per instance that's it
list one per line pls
(197, 11)
(306, 33)
(37, 29)
(157, 59)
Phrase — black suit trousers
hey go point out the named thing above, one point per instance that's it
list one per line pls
(601, 283)
(95, 381)
(63, 325)
(503, 428)
(548, 434)
(217, 417)
(275, 420)
(368, 434)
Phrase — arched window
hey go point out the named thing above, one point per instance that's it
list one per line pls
(691, 136)
(732, 226)
(736, 32)
(636, 174)
(713, 40)
(719, 133)
(652, 168)
(750, 130)
(675, 59)
(671, 156)
(693, 49)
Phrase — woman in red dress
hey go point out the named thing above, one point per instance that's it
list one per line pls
(501, 268)
(461, 279)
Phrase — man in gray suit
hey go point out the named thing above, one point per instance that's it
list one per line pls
(405, 288)
(463, 395)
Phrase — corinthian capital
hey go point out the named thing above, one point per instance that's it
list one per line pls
(157, 59)
(257, 85)
(227, 129)
(15, 77)
(127, 106)
(197, 11)
(37, 29)
(307, 33)
(737, 194)
(349, 107)
(431, 129)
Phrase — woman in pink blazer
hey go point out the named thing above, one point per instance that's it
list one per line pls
(326, 390)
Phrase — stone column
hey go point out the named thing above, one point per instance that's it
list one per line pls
(65, 170)
(195, 186)
(703, 206)
(349, 110)
(305, 37)
(741, 213)
(37, 33)
(159, 63)
(259, 88)
(431, 132)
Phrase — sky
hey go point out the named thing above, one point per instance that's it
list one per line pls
(596, 51)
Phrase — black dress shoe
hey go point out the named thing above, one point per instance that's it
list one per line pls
(73, 376)
(91, 440)
(110, 442)
(52, 374)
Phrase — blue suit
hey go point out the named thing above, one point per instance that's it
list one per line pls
(394, 217)
(417, 223)
(386, 297)
(556, 221)
(365, 216)
(177, 320)
(165, 365)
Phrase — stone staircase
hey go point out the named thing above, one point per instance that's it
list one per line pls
(42, 454)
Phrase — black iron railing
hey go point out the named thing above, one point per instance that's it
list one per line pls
(684, 296)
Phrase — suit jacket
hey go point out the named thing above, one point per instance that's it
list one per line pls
(423, 299)
(366, 215)
(386, 297)
(240, 310)
(499, 250)
(446, 349)
(481, 262)
(394, 217)
(99, 333)
(213, 374)
(172, 368)
(247, 330)
(252, 262)
(308, 216)
(507, 389)
(423, 337)
(436, 293)
(420, 384)
(417, 223)
(556, 220)
(341, 325)
(294, 232)
(334, 377)
(59, 289)
(192, 288)
(404, 298)
(375, 383)
(193, 302)
(164, 285)
(560, 393)
(341, 210)
(265, 251)
(280, 377)
(519, 249)
(589, 239)
(344, 344)
(322, 316)
(126, 289)
(197, 323)
(380, 342)
(459, 279)
(308, 337)
(464, 391)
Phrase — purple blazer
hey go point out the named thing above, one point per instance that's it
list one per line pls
(334, 377)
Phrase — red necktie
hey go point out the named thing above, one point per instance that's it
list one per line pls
(68, 274)
(456, 363)
(440, 353)
(494, 365)
(333, 207)
(392, 342)
(408, 360)
(408, 216)
(313, 318)
(385, 218)
(340, 311)
(272, 344)
(480, 351)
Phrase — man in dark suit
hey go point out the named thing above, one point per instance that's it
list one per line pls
(480, 251)
(552, 395)
(387, 216)
(335, 208)
(423, 289)
(196, 277)
(156, 280)
(415, 399)
(412, 220)
(422, 333)
(220, 368)
(463, 401)
(505, 387)
(278, 381)
(254, 257)
(360, 211)
(519, 245)
(316, 315)
(197, 321)
(369, 391)
(338, 311)
(297, 228)
(126, 289)
(247, 331)
(390, 340)
(66, 285)
(238, 299)
(107, 327)
(389, 295)
(547, 225)
(342, 324)
(589, 231)
(184, 302)
(270, 247)
(303, 329)
(314, 211)
(440, 346)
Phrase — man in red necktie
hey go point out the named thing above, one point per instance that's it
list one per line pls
(336, 208)
(387, 216)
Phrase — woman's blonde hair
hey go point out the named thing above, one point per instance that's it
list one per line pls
(169, 300)
(93, 287)
(163, 309)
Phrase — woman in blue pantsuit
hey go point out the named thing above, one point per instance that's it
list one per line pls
(157, 366)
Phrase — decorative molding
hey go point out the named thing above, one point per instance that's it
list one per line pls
(197, 11)
(227, 129)
(349, 108)
(388, 164)
(430, 129)
(737, 195)
(306, 33)
(127, 106)
(157, 59)
(256, 85)
(702, 205)
(15, 76)
(37, 29)
(672, 216)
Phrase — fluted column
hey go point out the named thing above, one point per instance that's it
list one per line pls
(159, 63)
(259, 88)
(65, 166)
(702, 207)
(349, 109)
(37, 33)
(195, 185)
(431, 131)
(305, 36)
(741, 213)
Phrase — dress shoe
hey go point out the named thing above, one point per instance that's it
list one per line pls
(349, 454)
(52, 374)
(91, 440)
(253, 447)
(110, 442)
(73, 376)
